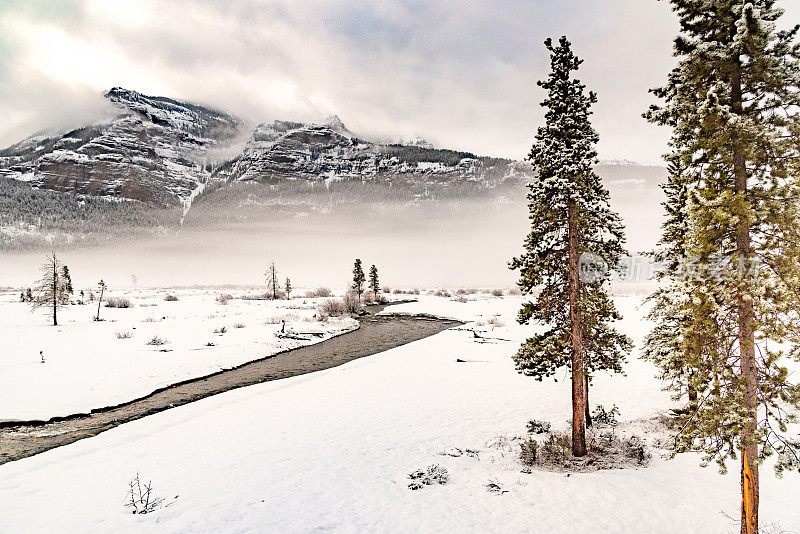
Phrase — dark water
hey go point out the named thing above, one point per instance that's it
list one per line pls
(377, 334)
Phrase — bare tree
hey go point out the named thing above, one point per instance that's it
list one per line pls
(50, 289)
(101, 286)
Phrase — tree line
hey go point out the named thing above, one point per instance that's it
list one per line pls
(730, 294)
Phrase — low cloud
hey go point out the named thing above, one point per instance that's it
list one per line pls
(459, 73)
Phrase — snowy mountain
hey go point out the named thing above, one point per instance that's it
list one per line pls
(329, 152)
(174, 156)
(154, 150)
(157, 150)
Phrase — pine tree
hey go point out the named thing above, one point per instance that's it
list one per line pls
(49, 290)
(571, 224)
(288, 289)
(271, 276)
(374, 283)
(67, 281)
(358, 279)
(731, 240)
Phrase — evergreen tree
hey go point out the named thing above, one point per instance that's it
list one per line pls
(358, 279)
(733, 102)
(49, 291)
(374, 283)
(271, 276)
(67, 281)
(571, 224)
(288, 289)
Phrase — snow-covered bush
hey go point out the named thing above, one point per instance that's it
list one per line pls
(118, 302)
(224, 298)
(529, 453)
(171, 298)
(434, 474)
(320, 292)
(603, 417)
(606, 451)
(349, 304)
(157, 341)
(332, 307)
(140, 498)
(495, 321)
(497, 292)
(441, 293)
(352, 304)
(127, 334)
(538, 427)
(221, 330)
(238, 325)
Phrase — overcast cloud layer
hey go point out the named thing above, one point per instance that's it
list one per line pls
(459, 73)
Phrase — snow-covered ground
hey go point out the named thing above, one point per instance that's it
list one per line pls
(331, 451)
(87, 366)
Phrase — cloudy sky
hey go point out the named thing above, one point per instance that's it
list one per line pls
(460, 73)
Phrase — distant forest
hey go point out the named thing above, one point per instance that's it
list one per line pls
(34, 218)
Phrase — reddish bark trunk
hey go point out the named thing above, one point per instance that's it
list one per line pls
(578, 372)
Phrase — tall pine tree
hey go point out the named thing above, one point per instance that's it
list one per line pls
(571, 220)
(358, 278)
(374, 283)
(733, 279)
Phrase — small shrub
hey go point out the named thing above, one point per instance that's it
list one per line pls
(493, 486)
(603, 417)
(529, 453)
(157, 341)
(238, 325)
(538, 427)
(386, 289)
(351, 302)
(495, 321)
(124, 335)
(434, 474)
(320, 292)
(333, 308)
(497, 292)
(118, 302)
(224, 298)
(466, 291)
(171, 298)
(151, 320)
(140, 498)
(515, 291)
(442, 293)
(221, 330)
(462, 299)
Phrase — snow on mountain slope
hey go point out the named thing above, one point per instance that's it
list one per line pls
(152, 151)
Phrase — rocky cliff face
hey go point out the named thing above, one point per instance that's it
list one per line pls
(327, 153)
(154, 151)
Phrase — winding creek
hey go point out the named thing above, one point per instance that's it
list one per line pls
(377, 333)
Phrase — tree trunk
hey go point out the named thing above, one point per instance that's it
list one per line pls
(587, 415)
(55, 291)
(578, 372)
(744, 307)
(98, 303)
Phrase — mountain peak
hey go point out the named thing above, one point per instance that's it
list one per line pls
(335, 123)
